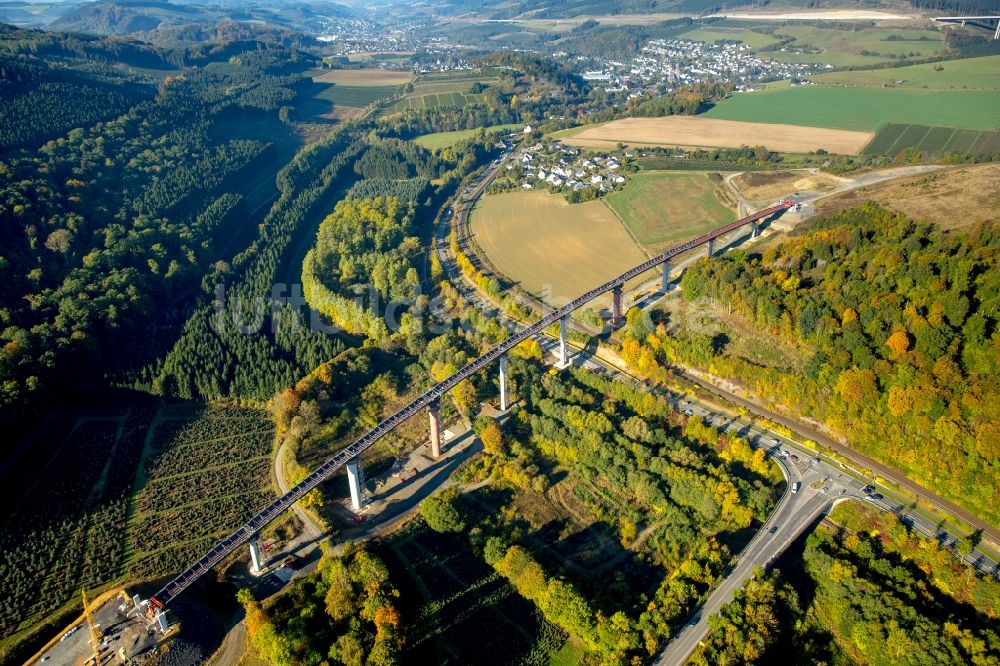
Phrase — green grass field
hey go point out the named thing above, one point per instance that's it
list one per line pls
(863, 108)
(711, 33)
(448, 139)
(893, 138)
(660, 207)
(966, 74)
(842, 48)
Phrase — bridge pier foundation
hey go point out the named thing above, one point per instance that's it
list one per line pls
(711, 246)
(665, 277)
(434, 412)
(616, 305)
(355, 481)
(503, 384)
(256, 561)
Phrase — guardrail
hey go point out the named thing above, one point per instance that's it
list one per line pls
(326, 470)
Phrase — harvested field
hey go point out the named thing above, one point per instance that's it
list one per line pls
(551, 248)
(952, 198)
(660, 208)
(763, 187)
(364, 77)
(700, 132)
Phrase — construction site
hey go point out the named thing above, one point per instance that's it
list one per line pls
(115, 628)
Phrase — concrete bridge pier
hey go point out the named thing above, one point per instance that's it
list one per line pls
(665, 277)
(434, 412)
(754, 229)
(711, 246)
(563, 361)
(616, 305)
(503, 383)
(356, 482)
(256, 560)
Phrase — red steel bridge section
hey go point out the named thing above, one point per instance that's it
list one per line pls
(432, 395)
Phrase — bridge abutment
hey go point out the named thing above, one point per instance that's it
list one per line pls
(355, 480)
(434, 414)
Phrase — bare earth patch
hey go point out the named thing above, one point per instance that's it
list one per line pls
(764, 186)
(700, 132)
(952, 198)
(364, 77)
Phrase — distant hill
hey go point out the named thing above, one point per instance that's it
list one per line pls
(127, 17)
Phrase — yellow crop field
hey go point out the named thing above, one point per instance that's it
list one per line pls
(701, 132)
(551, 248)
(364, 77)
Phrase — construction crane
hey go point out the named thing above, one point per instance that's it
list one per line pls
(95, 634)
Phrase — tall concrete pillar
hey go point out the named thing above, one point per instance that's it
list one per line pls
(356, 482)
(563, 353)
(434, 412)
(503, 383)
(665, 277)
(711, 246)
(616, 305)
(256, 561)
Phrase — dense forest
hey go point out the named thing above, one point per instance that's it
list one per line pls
(343, 613)
(897, 325)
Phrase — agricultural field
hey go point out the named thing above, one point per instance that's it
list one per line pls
(460, 84)
(712, 33)
(844, 48)
(894, 138)
(357, 97)
(364, 78)
(762, 188)
(448, 139)
(435, 100)
(952, 198)
(549, 247)
(461, 610)
(702, 132)
(863, 109)
(965, 74)
(129, 494)
(661, 207)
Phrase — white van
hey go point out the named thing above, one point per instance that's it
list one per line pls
(796, 486)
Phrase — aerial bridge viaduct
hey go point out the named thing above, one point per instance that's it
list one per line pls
(430, 401)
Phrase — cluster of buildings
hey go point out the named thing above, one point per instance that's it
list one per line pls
(557, 167)
(665, 64)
